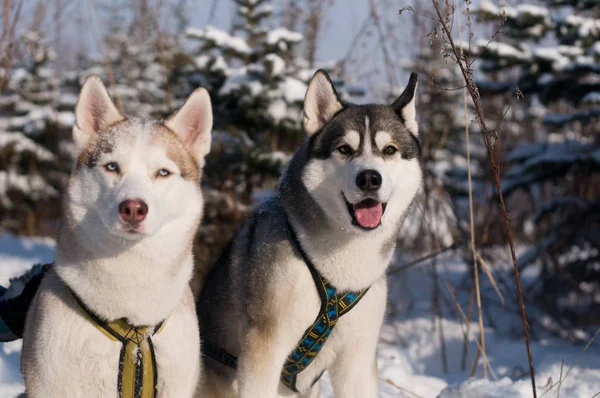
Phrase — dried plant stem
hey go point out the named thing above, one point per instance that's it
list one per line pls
(404, 390)
(562, 364)
(429, 256)
(473, 91)
(589, 343)
(463, 317)
(472, 229)
(466, 357)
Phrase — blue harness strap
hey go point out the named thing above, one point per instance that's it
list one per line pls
(333, 306)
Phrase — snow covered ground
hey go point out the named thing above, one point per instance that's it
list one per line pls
(409, 359)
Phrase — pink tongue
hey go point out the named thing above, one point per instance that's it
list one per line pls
(368, 213)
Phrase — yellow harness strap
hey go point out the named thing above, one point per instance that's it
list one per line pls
(137, 363)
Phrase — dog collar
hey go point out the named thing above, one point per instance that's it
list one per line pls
(137, 374)
(333, 306)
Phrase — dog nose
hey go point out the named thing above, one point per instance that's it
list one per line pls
(133, 211)
(368, 180)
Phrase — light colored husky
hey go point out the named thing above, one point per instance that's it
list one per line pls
(123, 259)
(340, 205)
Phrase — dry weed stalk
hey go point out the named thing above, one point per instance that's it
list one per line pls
(562, 379)
(490, 139)
(472, 230)
(463, 317)
(404, 390)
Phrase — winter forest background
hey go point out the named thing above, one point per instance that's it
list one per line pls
(452, 315)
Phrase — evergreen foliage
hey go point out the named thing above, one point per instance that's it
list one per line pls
(551, 53)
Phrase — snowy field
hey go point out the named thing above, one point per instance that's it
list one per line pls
(409, 358)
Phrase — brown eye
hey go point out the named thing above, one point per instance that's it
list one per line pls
(344, 150)
(111, 167)
(390, 150)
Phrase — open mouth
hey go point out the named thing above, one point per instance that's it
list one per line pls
(367, 213)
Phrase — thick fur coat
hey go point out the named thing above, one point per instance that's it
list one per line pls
(344, 195)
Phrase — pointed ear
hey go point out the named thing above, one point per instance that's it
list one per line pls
(193, 123)
(321, 102)
(404, 106)
(94, 111)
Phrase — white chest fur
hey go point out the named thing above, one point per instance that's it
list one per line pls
(64, 354)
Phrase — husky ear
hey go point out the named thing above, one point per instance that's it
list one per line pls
(321, 102)
(404, 106)
(193, 123)
(94, 111)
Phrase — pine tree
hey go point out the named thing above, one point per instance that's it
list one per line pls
(251, 75)
(33, 131)
(558, 170)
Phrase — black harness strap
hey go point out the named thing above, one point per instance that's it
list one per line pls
(333, 306)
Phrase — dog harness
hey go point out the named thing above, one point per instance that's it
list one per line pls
(137, 363)
(333, 306)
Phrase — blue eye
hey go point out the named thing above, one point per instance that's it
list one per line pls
(111, 167)
(164, 173)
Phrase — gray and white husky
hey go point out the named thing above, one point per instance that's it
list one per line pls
(340, 204)
(123, 257)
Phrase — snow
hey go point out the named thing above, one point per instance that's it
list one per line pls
(596, 48)
(276, 35)
(277, 64)
(591, 98)
(275, 158)
(22, 143)
(570, 51)
(277, 110)
(16, 256)
(533, 10)
(220, 38)
(532, 19)
(68, 100)
(219, 64)
(504, 50)
(409, 347)
(66, 119)
(240, 79)
(202, 61)
(294, 90)
(585, 26)
(488, 7)
(31, 184)
(553, 55)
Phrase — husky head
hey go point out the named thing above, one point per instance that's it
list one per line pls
(135, 178)
(361, 163)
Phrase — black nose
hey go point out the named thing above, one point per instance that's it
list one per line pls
(368, 180)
